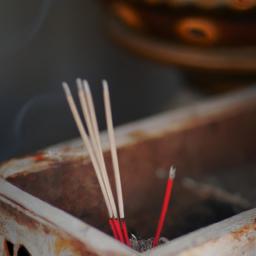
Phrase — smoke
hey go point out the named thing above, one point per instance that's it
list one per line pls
(42, 121)
(19, 23)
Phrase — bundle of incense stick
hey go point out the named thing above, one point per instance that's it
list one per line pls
(92, 142)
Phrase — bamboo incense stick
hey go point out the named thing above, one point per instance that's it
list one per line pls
(112, 141)
(91, 122)
(90, 151)
(85, 110)
(93, 144)
(87, 144)
(96, 133)
(165, 205)
(111, 136)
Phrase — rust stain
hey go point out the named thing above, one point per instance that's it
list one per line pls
(19, 174)
(39, 157)
(61, 244)
(238, 234)
(6, 250)
(76, 247)
(19, 217)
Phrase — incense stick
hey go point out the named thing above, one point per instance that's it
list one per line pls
(111, 136)
(98, 142)
(89, 113)
(93, 144)
(91, 122)
(85, 110)
(87, 144)
(166, 202)
(113, 228)
(110, 128)
(125, 231)
(118, 229)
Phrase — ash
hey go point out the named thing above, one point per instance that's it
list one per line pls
(142, 245)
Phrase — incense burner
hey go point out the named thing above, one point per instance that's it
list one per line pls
(50, 202)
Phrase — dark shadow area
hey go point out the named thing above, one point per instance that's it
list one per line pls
(52, 41)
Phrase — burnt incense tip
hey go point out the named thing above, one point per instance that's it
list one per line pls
(172, 172)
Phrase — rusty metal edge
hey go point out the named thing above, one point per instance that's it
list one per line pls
(43, 213)
(223, 238)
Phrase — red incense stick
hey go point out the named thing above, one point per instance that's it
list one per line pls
(112, 226)
(118, 230)
(167, 198)
(125, 232)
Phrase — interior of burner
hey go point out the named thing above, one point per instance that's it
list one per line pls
(215, 162)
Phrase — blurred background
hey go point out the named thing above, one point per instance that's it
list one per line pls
(46, 42)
